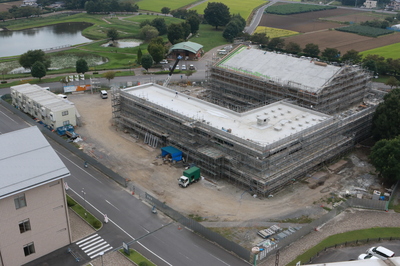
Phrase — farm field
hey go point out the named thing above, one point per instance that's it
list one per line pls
(343, 41)
(388, 51)
(274, 32)
(156, 5)
(316, 28)
(8, 5)
(244, 8)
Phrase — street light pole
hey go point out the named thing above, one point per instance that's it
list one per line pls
(84, 199)
(101, 255)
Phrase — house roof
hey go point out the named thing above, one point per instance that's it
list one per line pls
(303, 73)
(27, 161)
(188, 46)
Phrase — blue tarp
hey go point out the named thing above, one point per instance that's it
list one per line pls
(62, 130)
(176, 154)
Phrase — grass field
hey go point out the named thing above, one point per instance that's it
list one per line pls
(156, 5)
(244, 8)
(274, 32)
(388, 51)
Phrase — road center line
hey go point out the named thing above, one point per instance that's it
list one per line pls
(166, 262)
(9, 117)
(112, 205)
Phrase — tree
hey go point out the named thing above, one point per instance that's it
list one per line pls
(260, 38)
(165, 10)
(160, 25)
(148, 32)
(144, 23)
(387, 117)
(276, 44)
(194, 22)
(231, 30)
(393, 65)
(81, 66)
(139, 56)
(38, 70)
(109, 75)
(156, 49)
(112, 34)
(331, 54)
(293, 48)
(147, 61)
(385, 156)
(392, 82)
(311, 49)
(375, 63)
(175, 33)
(27, 59)
(217, 14)
(352, 56)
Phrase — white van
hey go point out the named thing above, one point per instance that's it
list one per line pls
(62, 96)
(380, 252)
(103, 94)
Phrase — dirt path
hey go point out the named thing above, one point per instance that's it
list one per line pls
(216, 201)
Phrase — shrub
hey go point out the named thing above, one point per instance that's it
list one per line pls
(3, 81)
(70, 202)
(96, 224)
(143, 263)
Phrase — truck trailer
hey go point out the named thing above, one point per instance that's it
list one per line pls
(189, 176)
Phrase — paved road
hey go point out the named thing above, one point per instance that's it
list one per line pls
(129, 217)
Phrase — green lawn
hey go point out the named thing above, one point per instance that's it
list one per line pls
(137, 257)
(82, 212)
(156, 5)
(209, 37)
(347, 237)
(140, 18)
(244, 8)
(388, 51)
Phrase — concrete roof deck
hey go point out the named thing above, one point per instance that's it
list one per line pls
(27, 160)
(282, 69)
(284, 119)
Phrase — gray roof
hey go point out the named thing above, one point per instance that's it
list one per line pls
(26, 161)
(279, 68)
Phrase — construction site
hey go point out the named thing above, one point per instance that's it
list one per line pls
(265, 120)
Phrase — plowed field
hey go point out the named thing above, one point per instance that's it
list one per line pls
(317, 28)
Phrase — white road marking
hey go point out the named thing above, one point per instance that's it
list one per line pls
(112, 205)
(166, 262)
(9, 117)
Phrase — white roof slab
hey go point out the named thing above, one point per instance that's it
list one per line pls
(282, 69)
(26, 161)
(282, 119)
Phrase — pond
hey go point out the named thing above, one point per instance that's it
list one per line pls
(48, 37)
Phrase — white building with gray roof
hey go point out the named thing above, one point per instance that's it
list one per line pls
(34, 218)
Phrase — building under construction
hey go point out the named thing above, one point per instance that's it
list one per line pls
(272, 125)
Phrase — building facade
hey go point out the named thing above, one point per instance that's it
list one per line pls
(261, 128)
(34, 219)
(44, 105)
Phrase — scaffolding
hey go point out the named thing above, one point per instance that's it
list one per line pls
(262, 169)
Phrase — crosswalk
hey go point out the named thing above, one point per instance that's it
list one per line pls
(93, 245)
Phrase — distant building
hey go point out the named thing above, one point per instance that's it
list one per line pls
(29, 3)
(34, 219)
(370, 4)
(188, 50)
(44, 105)
(394, 5)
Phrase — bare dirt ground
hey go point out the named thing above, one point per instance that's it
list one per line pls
(215, 200)
(316, 28)
(6, 6)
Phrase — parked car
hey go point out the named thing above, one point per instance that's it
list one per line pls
(177, 67)
(380, 252)
(367, 257)
(191, 67)
(164, 61)
(183, 67)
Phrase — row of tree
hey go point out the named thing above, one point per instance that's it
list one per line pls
(20, 12)
(94, 6)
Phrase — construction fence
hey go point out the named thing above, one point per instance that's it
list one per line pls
(199, 229)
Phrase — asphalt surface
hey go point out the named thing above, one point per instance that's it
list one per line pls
(129, 217)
